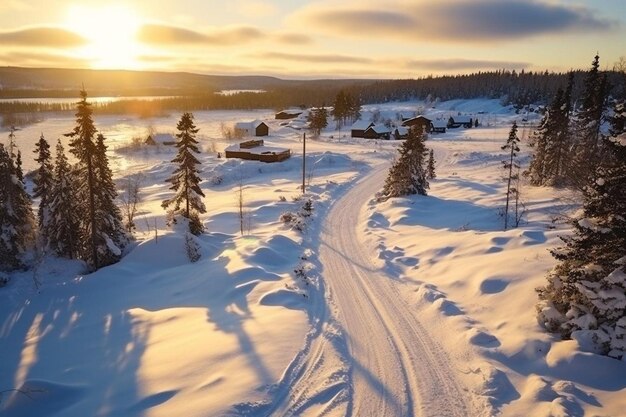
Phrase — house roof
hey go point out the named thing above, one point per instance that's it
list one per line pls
(249, 125)
(415, 119)
(379, 129)
(257, 150)
(440, 123)
(290, 111)
(402, 130)
(362, 125)
(462, 119)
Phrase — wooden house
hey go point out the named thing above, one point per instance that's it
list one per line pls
(377, 132)
(460, 121)
(253, 128)
(401, 132)
(439, 126)
(419, 122)
(255, 150)
(359, 127)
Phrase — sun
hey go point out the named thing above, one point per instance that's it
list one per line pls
(111, 34)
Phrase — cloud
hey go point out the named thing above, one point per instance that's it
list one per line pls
(158, 34)
(35, 59)
(167, 35)
(293, 38)
(464, 64)
(454, 20)
(335, 59)
(42, 37)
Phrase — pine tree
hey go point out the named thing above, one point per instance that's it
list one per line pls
(187, 200)
(547, 166)
(407, 176)
(586, 154)
(83, 147)
(430, 170)
(511, 166)
(64, 232)
(585, 297)
(43, 181)
(318, 120)
(102, 223)
(17, 223)
(108, 215)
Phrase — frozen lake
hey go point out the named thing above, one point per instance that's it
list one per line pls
(120, 131)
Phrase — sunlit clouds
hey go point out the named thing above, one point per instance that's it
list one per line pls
(396, 38)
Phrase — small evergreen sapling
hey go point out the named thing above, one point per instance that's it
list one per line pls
(430, 169)
(511, 167)
(187, 200)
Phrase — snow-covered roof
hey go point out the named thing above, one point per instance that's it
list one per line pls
(440, 123)
(462, 119)
(380, 129)
(248, 125)
(402, 130)
(362, 124)
(257, 150)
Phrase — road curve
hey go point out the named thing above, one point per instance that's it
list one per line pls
(397, 369)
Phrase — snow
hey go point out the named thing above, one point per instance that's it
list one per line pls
(412, 306)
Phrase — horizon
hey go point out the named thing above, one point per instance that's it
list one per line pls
(315, 39)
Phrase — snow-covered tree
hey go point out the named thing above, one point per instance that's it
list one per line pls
(511, 167)
(407, 175)
(108, 214)
(101, 224)
(346, 108)
(550, 143)
(187, 200)
(587, 152)
(585, 297)
(318, 120)
(17, 222)
(64, 232)
(430, 168)
(43, 181)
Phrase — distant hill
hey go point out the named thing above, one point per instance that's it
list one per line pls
(59, 82)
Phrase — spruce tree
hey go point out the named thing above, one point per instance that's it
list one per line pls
(407, 175)
(84, 149)
(17, 223)
(101, 225)
(511, 167)
(187, 200)
(586, 153)
(430, 169)
(585, 297)
(318, 120)
(64, 232)
(108, 214)
(550, 144)
(43, 181)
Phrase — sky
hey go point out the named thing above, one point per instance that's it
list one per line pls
(313, 38)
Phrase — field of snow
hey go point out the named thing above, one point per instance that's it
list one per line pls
(414, 306)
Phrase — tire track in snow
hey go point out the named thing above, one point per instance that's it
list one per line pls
(398, 369)
(385, 363)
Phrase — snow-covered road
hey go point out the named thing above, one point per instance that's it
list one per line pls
(397, 369)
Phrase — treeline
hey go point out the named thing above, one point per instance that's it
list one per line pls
(517, 88)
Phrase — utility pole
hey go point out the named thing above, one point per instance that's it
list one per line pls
(303, 161)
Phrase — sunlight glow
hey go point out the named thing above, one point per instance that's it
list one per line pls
(111, 31)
